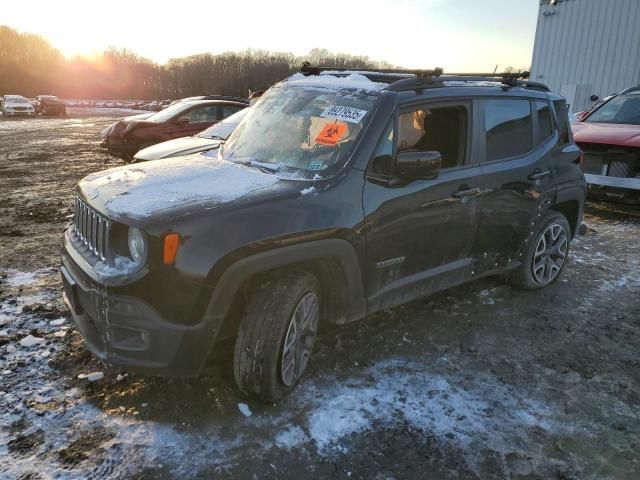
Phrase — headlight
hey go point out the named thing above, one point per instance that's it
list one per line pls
(137, 244)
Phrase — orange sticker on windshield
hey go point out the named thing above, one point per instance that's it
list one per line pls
(332, 133)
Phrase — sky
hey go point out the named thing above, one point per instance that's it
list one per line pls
(458, 35)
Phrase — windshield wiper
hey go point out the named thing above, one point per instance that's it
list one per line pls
(260, 166)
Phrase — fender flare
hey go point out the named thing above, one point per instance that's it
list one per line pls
(239, 272)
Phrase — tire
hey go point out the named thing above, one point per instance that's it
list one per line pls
(545, 254)
(287, 302)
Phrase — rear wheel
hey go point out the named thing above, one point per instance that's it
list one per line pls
(545, 255)
(277, 334)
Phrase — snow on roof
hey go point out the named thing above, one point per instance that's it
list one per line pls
(355, 80)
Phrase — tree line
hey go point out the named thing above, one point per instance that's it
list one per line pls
(30, 66)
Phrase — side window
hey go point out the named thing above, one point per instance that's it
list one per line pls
(204, 114)
(509, 128)
(228, 110)
(545, 125)
(442, 129)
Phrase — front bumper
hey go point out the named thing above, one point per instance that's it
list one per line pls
(617, 182)
(23, 113)
(119, 148)
(127, 332)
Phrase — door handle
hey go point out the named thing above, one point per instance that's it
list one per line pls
(538, 174)
(466, 193)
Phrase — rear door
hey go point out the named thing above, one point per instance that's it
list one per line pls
(518, 178)
(420, 233)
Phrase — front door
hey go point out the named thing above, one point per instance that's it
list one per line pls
(199, 118)
(420, 233)
(518, 178)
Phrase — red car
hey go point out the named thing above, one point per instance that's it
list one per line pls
(124, 138)
(609, 136)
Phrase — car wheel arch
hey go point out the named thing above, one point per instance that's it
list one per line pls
(333, 261)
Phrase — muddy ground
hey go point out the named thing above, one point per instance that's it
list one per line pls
(481, 381)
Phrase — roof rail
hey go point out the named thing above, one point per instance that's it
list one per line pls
(388, 75)
(507, 79)
(629, 90)
(406, 79)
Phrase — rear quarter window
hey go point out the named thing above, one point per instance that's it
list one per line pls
(509, 128)
(562, 117)
(545, 124)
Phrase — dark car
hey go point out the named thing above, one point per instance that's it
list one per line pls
(209, 139)
(609, 136)
(49, 105)
(129, 135)
(337, 196)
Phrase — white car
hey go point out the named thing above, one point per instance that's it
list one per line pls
(13, 105)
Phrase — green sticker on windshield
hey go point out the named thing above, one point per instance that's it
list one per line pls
(315, 165)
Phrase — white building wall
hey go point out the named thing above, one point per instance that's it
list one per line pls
(587, 47)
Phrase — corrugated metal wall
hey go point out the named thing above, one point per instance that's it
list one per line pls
(587, 47)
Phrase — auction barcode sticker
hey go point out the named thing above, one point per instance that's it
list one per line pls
(348, 114)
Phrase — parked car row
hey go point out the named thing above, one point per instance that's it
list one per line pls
(17, 105)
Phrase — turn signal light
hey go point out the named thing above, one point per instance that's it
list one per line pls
(170, 250)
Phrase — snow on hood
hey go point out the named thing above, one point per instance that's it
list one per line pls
(355, 80)
(138, 191)
(175, 147)
(607, 133)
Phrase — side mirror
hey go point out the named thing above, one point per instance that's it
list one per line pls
(183, 120)
(594, 98)
(418, 165)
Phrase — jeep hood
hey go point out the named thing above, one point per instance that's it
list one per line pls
(607, 133)
(176, 147)
(139, 192)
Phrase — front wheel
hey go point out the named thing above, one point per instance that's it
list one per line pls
(277, 334)
(545, 254)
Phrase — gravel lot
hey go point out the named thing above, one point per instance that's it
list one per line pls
(481, 381)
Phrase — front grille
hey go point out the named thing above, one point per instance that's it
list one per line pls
(91, 229)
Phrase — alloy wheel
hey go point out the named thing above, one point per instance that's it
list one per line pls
(298, 342)
(550, 254)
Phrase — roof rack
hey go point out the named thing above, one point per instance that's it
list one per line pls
(629, 90)
(402, 80)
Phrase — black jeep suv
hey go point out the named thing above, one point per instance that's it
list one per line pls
(341, 193)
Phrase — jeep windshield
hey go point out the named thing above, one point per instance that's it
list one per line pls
(624, 109)
(305, 125)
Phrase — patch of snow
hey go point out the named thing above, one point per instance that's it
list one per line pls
(11, 349)
(291, 437)
(121, 266)
(30, 341)
(486, 297)
(20, 279)
(443, 405)
(307, 191)
(57, 322)
(92, 377)
(244, 409)
(137, 191)
(354, 81)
